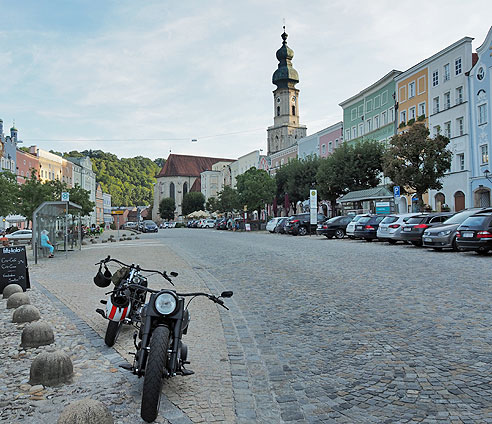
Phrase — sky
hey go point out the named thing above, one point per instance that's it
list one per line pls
(148, 77)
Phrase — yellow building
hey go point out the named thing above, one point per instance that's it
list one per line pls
(413, 96)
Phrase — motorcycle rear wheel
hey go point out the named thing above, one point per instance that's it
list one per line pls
(154, 374)
(112, 332)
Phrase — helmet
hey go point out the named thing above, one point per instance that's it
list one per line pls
(103, 279)
(118, 307)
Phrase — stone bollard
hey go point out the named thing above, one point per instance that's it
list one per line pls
(37, 334)
(137, 238)
(11, 289)
(17, 299)
(104, 241)
(51, 369)
(122, 239)
(86, 411)
(84, 243)
(26, 313)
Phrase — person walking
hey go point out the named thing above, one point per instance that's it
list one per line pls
(45, 242)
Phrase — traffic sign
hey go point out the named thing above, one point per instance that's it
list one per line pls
(396, 191)
(65, 196)
(313, 207)
(117, 212)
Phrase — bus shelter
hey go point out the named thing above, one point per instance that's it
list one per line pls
(63, 222)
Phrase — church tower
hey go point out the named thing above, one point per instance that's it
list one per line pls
(286, 129)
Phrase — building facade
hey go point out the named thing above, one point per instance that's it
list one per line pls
(26, 164)
(479, 97)
(321, 144)
(8, 149)
(99, 208)
(286, 129)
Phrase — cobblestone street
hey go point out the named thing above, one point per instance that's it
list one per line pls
(319, 330)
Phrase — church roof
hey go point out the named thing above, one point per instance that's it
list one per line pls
(197, 186)
(285, 74)
(188, 166)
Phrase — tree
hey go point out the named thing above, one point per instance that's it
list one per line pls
(417, 162)
(31, 194)
(255, 188)
(192, 202)
(54, 189)
(212, 204)
(167, 206)
(81, 197)
(228, 200)
(9, 198)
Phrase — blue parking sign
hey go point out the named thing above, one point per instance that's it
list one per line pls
(396, 191)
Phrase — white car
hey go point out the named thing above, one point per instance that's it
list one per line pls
(390, 227)
(272, 224)
(351, 226)
(208, 223)
(20, 236)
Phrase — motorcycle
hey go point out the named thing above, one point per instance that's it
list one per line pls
(160, 352)
(123, 305)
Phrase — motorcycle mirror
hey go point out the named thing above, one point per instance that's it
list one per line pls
(174, 274)
(227, 293)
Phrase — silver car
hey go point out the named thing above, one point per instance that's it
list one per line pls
(390, 227)
(443, 236)
(351, 226)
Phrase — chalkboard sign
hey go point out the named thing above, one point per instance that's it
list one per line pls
(13, 267)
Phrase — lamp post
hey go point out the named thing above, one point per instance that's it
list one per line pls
(487, 175)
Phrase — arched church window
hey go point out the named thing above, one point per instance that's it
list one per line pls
(293, 110)
(278, 110)
(171, 191)
(185, 188)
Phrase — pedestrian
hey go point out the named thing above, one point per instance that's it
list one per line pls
(45, 242)
(3, 239)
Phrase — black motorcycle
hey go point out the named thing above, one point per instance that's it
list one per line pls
(160, 352)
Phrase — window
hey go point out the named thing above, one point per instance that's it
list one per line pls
(293, 110)
(447, 129)
(461, 161)
(421, 84)
(435, 130)
(384, 118)
(436, 104)
(384, 98)
(403, 116)
(369, 125)
(447, 100)
(377, 102)
(435, 78)
(402, 96)
(447, 75)
(482, 114)
(484, 154)
(369, 106)
(347, 134)
(185, 188)
(323, 149)
(361, 129)
(392, 114)
(460, 130)
(361, 110)
(457, 66)
(354, 132)
(330, 146)
(336, 143)
(171, 191)
(411, 89)
(412, 113)
(353, 114)
(422, 109)
(282, 161)
(459, 95)
(278, 110)
(376, 122)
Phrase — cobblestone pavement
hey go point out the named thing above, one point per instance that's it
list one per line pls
(347, 331)
(206, 396)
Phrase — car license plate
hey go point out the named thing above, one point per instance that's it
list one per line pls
(467, 234)
(359, 227)
(407, 229)
(427, 240)
(383, 230)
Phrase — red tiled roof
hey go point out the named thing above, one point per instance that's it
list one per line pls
(188, 166)
(197, 186)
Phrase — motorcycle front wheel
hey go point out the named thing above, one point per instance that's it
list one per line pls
(154, 374)
(112, 332)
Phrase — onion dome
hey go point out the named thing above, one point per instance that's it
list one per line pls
(285, 75)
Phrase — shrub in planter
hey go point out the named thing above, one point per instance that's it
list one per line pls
(411, 121)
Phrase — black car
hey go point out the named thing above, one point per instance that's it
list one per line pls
(475, 233)
(221, 224)
(414, 228)
(334, 227)
(367, 227)
(300, 224)
(150, 227)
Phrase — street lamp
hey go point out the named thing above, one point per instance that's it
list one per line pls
(487, 175)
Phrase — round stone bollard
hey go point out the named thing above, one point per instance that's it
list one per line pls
(11, 289)
(17, 299)
(37, 334)
(86, 411)
(26, 313)
(51, 369)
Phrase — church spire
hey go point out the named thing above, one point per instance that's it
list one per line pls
(285, 75)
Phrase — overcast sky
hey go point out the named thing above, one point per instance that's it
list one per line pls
(146, 77)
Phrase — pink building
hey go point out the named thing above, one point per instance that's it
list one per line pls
(330, 140)
(25, 162)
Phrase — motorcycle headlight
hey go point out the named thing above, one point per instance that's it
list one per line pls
(445, 233)
(165, 303)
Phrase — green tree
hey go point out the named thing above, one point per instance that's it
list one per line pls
(54, 189)
(9, 197)
(212, 204)
(31, 194)
(416, 162)
(81, 197)
(255, 188)
(167, 206)
(192, 202)
(228, 200)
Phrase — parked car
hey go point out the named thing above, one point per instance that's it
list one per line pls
(367, 227)
(414, 228)
(150, 227)
(390, 227)
(20, 236)
(221, 224)
(443, 236)
(273, 223)
(300, 224)
(164, 225)
(280, 228)
(208, 223)
(351, 226)
(130, 225)
(334, 227)
(475, 233)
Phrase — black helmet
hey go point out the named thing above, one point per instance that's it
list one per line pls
(102, 279)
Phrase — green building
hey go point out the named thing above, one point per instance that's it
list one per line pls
(370, 114)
